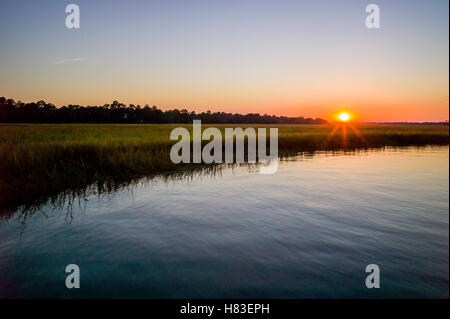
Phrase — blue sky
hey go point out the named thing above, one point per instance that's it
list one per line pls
(277, 57)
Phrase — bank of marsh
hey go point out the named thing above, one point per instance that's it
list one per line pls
(39, 160)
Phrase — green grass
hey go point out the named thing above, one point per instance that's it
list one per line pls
(41, 160)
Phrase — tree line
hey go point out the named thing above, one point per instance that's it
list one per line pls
(41, 112)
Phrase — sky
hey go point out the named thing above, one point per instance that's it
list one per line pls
(285, 57)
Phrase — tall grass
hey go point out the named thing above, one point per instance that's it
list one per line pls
(40, 160)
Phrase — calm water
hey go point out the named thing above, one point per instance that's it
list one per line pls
(307, 231)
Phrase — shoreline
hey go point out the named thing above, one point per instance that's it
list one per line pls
(44, 160)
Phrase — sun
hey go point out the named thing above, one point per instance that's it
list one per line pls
(344, 117)
(347, 125)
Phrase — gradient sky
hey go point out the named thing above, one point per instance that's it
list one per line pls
(282, 57)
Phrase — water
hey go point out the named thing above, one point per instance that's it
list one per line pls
(307, 231)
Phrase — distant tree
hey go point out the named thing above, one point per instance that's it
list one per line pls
(116, 112)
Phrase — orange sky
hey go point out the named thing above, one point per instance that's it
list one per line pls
(294, 58)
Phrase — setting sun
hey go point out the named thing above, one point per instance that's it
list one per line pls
(344, 117)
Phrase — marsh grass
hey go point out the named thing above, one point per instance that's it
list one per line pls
(38, 161)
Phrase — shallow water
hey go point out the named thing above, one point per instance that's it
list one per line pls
(307, 231)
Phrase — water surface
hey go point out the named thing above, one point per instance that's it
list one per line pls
(307, 231)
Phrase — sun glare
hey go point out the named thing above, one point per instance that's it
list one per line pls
(344, 117)
(346, 124)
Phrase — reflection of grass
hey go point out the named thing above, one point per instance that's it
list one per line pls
(39, 160)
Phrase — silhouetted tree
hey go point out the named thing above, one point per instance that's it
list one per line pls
(116, 112)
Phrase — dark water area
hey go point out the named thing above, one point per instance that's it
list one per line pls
(307, 231)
